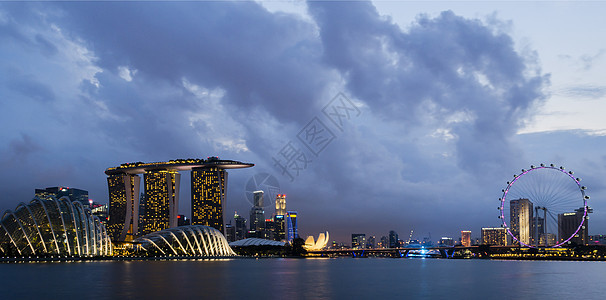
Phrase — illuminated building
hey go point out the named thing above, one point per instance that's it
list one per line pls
(358, 241)
(100, 211)
(494, 236)
(60, 191)
(123, 206)
(208, 188)
(466, 238)
(318, 244)
(291, 226)
(279, 228)
(520, 220)
(161, 200)
(279, 220)
(280, 205)
(568, 224)
(160, 205)
(257, 216)
(53, 227)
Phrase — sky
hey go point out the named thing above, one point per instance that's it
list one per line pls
(369, 116)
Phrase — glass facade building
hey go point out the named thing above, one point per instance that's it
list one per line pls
(291, 224)
(520, 219)
(51, 226)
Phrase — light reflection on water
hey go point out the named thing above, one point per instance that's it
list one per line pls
(340, 278)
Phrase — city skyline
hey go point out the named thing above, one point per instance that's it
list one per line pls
(427, 108)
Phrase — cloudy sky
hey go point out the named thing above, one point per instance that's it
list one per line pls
(372, 116)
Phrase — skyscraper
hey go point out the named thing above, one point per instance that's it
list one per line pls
(280, 205)
(279, 219)
(393, 239)
(520, 220)
(466, 238)
(123, 206)
(240, 227)
(568, 224)
(291, 226)
(257, 216)
(161, 200)
(208, 188)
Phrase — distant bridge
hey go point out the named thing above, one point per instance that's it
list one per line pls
(482, 251)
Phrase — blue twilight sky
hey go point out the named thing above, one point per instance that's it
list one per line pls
(440, 103)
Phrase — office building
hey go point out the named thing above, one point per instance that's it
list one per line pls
(520, 220)
(257, 216)
(123, 220)
(61, 191)
(358, 241)
(240, 227)
(384, 243)
(394, 239)
(466, 238)
(568, 225)
(280, 205)
(370, 243)
(291, 226)
(496, 236)
(230, 232)
(279, 228)
(208, 188)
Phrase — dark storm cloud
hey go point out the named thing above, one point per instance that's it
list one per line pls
(439, 101)
(259, 58)
(456, 64)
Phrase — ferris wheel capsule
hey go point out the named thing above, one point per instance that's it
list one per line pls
(542, 165)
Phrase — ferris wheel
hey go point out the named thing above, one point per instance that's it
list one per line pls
(544, 206)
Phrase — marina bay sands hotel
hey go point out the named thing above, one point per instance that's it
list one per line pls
(161, 198)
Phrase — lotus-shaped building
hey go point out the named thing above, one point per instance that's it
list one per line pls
(319, 244)
(191, 240)
(53, 227)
